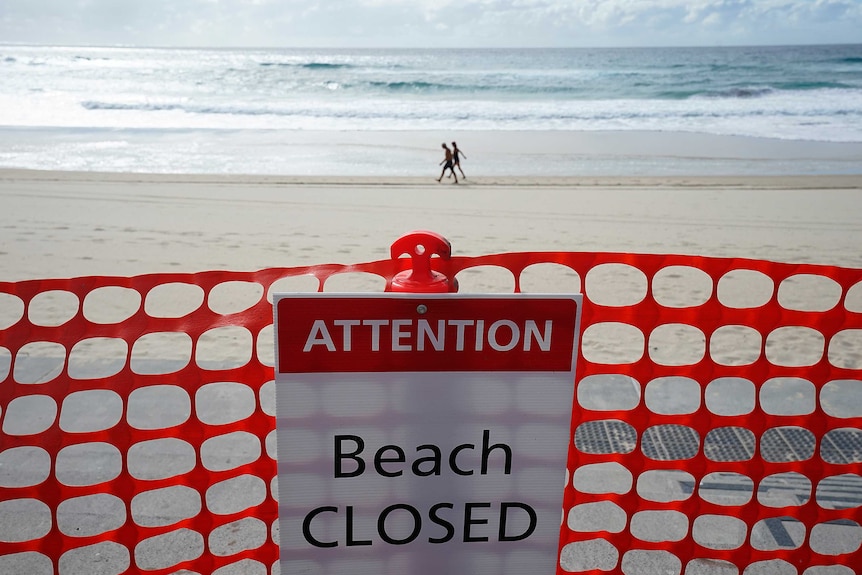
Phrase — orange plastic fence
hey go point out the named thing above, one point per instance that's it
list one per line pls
(717, 425)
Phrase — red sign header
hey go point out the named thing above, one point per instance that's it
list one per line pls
(327, 333)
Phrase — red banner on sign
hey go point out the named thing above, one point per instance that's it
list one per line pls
(425, 333)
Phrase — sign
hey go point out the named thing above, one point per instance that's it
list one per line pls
(423, 433)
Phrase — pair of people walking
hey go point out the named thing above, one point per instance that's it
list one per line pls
(451, 161)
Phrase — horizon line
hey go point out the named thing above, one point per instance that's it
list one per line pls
(439, 48)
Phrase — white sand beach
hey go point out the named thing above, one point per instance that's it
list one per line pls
(65, 224)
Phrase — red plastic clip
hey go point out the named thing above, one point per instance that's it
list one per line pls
(420, 246)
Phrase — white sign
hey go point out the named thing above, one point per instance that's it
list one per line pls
(423, 434)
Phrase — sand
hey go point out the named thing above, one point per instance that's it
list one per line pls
(56, 224)
(344, 197)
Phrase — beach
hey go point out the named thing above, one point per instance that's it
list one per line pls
(68, 224)
(120, 160)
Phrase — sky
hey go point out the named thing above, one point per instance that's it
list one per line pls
(428, 23)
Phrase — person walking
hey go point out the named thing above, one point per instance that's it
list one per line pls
(448, 163)
(456, 159)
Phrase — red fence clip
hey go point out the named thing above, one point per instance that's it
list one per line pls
(420, 246)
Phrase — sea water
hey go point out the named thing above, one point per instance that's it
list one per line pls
(238, 110)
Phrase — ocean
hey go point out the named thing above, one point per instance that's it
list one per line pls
(169, 110)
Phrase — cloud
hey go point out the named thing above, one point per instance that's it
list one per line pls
(429, 23)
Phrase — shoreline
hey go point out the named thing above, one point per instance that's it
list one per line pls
(416, 153)
(788, 182)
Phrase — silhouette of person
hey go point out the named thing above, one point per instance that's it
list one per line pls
(448, 164)
(456, 159)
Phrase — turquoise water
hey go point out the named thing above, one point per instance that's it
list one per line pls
(811, 93)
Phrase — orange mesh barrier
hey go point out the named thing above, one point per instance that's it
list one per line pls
(717, 425)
